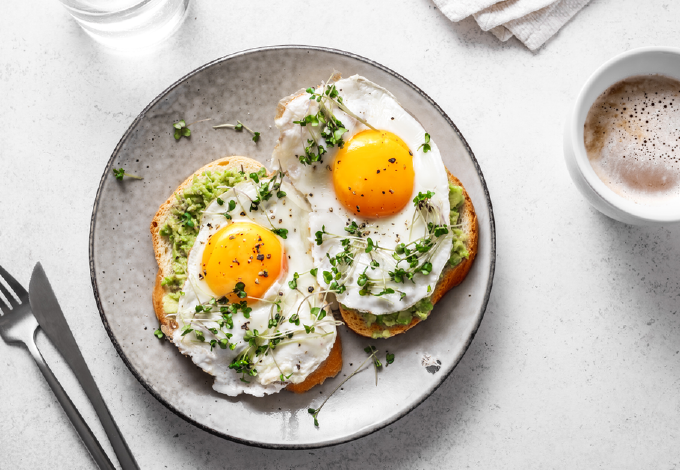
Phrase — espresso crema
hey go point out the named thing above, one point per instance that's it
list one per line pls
(632, 138)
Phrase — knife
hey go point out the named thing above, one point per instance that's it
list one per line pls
(52, 321)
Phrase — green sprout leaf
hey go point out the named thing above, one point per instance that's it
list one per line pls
(319, 235)
(181, 129)
(352, 228)
(186, 329)
(281, 232)
(426, 146)
(389, 358)
(293, 284)
(187, 220)
(120, 174)
(422, 197)
(239, 290)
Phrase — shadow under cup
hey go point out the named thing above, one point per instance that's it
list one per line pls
(645, 61)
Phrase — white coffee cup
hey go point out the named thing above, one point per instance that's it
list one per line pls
(644, 61)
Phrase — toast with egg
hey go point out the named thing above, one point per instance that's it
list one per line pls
(450, 277)
(163, 252)
(359, 317)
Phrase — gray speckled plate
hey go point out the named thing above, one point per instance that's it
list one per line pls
(247, 86)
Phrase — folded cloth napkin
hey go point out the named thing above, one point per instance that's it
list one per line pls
(503, 12)
(533, 22)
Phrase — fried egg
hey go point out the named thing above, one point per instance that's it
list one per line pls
(239, 319)
(364, 190)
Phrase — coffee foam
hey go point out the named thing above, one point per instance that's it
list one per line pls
(632, 137)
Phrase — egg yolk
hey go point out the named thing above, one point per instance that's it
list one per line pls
(373, 174)
(242, 252)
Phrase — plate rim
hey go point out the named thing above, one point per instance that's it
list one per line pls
(362, 432)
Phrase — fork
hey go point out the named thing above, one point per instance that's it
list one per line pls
(18, 325)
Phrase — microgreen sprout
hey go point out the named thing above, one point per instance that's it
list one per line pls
(187, 219)
(318, 236)
(120, 174)
(186, 329)
(422, 197)
(181, 129)
(376, 362)
(267, 188)
(293, 284)
(352, 228)
(231, 206)
(324, 125)
(239, 290)
(389, 358)
(315, 411)
(239, 126)
(158, 333)
(281, 232)
(426, 146)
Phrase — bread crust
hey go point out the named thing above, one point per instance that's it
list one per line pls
(450, 278)
(328, 368)
(333, 363)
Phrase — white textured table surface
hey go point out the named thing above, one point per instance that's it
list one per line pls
(576, 363)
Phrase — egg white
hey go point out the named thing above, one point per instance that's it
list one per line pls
(379, 108)
(298, 356)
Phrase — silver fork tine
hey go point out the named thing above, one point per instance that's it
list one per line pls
(16, 287)
(5, 308)
(10, 298)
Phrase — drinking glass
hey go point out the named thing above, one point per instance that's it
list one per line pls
(128, 24)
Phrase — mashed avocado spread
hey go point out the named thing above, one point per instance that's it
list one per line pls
(182, 225)
(423, 307)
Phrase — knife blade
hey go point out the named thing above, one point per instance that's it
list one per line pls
(52, 321)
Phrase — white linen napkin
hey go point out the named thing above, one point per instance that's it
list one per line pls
(533, 22)
(502, 12)
(456, 10)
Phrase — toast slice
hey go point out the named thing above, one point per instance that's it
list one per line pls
(451, 275)
(162, 247)
(163, 251)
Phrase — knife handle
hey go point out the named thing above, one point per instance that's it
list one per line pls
(72, 412)
(120, 447)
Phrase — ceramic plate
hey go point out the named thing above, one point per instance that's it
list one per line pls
(247, 86)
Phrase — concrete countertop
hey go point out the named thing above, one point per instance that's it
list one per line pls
(577, 361)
